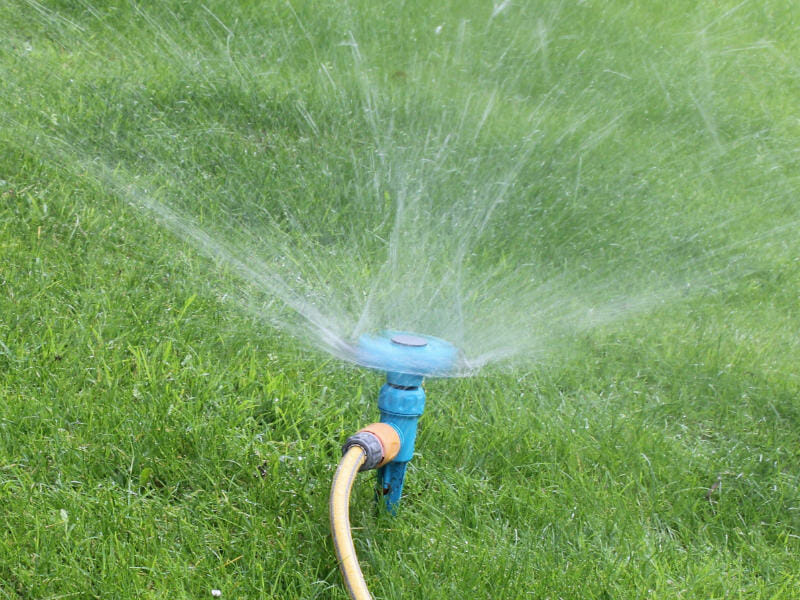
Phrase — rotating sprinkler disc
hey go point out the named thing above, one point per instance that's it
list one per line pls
(408, 353)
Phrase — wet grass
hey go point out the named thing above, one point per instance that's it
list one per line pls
(156, 440)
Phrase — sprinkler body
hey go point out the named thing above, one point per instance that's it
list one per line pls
(407, 359)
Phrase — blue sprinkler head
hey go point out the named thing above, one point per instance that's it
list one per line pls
(411, 354)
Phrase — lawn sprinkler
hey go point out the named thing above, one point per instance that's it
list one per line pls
(388, 445)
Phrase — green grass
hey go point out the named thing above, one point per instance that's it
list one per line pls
(159, 440)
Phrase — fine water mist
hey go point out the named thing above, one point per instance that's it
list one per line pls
(503, 185)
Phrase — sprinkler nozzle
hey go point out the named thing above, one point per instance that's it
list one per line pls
(380, 442)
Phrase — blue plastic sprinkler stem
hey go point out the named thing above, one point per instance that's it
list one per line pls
(407, 359)
(401, 402)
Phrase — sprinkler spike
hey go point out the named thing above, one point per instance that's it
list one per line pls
(390, 480)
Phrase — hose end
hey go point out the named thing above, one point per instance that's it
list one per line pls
(380, 442)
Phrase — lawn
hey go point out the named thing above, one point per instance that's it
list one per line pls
(598, 202)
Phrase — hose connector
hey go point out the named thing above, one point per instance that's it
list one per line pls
(380, 442)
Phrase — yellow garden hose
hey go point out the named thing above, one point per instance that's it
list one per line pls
(340, 522)
(373, 446)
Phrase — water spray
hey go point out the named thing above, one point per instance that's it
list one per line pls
(388, 445)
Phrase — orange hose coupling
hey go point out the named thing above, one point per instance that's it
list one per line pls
(380, 442)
